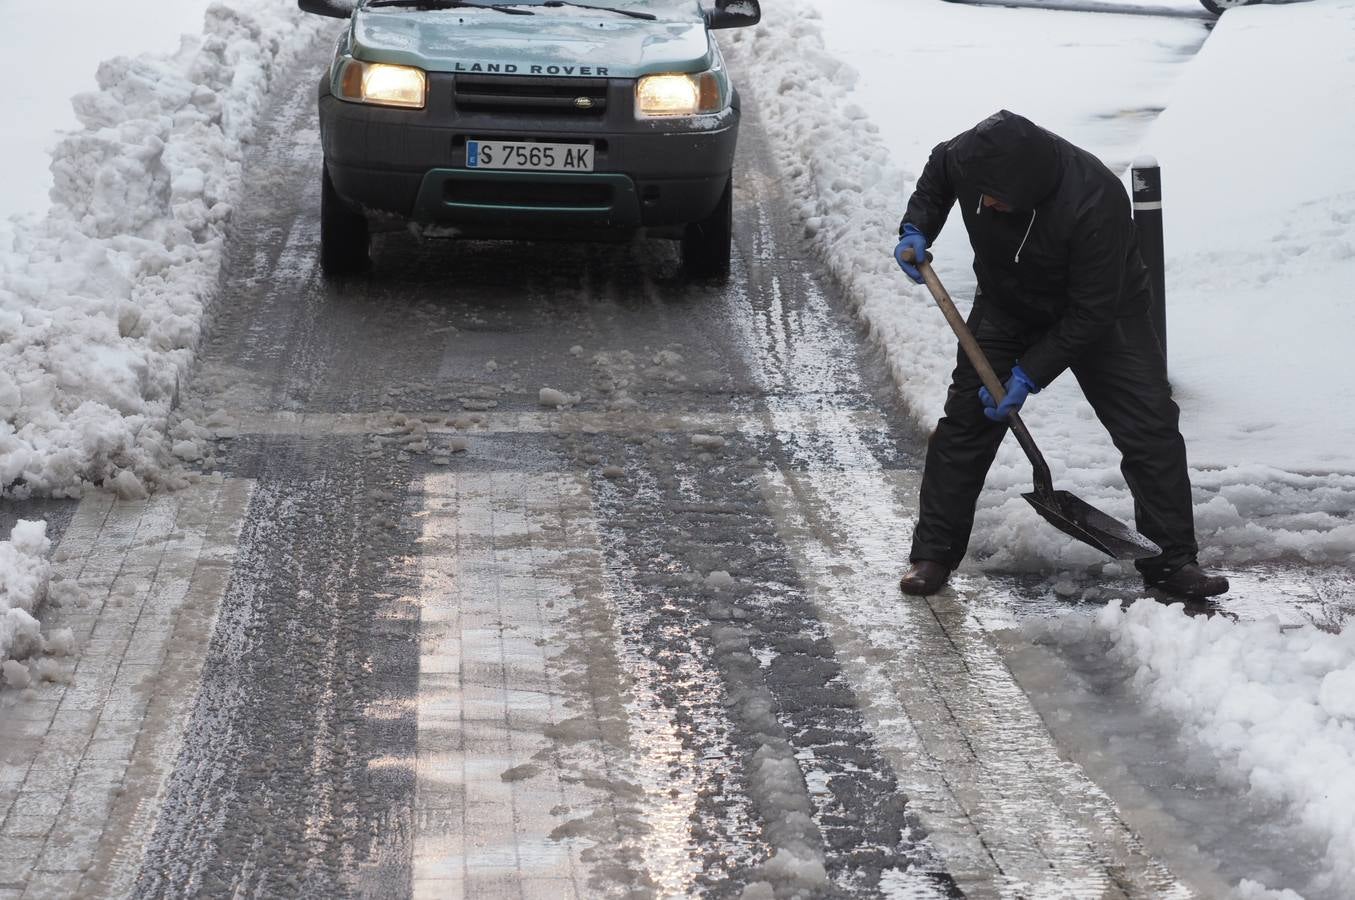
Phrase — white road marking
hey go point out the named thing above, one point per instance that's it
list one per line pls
(485, 699)
(508, 703)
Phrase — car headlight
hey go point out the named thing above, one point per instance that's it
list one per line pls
(678, 95)
(383, 84)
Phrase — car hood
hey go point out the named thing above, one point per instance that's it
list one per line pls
(564, 41)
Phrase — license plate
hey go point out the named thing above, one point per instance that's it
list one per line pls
(529, 157)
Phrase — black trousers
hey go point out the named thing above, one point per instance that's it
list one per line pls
(1124, 377)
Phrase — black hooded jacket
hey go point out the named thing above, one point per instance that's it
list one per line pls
(1064, 261)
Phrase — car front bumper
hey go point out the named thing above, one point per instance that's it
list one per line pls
(411, 164)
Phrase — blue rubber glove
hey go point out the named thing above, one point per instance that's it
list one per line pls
(914, 240)
(1018, 387)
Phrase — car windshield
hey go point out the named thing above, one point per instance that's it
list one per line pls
(449, 4)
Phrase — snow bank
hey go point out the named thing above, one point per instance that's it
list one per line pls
(1260, 219)
(24, 571)
(1276, 706)
(853, 136)
(102, 301)
(39, 38)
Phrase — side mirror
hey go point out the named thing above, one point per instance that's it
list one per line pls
(733, 14)
(335, 9)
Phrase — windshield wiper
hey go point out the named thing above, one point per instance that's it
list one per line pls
(634, 14)
(451, 4)
(513, 9)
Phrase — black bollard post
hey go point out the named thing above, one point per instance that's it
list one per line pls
(1146, 177)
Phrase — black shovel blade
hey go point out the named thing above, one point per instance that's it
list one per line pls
(1077, 518)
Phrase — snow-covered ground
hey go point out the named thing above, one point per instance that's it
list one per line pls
(103, 292)
(1254, 142)
(23, 585)
(1276, 706)
(858, 93)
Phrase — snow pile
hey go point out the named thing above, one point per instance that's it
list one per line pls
(24, 571)
(102, 301)
(852, 141)
(1253, 890)
(557, 399)
(708, 442)
(720, 580)
(1276, 706)
(776, 783)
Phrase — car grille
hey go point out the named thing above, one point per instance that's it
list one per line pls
(507, 94)
(545, 195)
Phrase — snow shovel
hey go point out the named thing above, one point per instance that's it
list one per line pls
(1072, 515)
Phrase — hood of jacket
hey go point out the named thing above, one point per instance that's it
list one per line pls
(1010, 158)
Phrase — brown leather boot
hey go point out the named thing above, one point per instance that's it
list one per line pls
(923, 578)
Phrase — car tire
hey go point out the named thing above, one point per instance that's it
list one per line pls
(706, 244)
(345, 244)
(1219, 7)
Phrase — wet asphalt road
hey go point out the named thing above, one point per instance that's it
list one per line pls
(314, 666)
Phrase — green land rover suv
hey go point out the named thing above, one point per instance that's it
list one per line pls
(537, 119)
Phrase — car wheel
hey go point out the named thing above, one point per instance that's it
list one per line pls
(1217, 7)
(344, 240)
(706, 244)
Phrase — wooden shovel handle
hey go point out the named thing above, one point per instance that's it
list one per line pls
(961, 329)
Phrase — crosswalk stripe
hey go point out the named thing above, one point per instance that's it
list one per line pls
(486, 700)
(524, 738)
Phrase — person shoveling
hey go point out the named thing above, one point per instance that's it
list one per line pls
(1061, 286)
